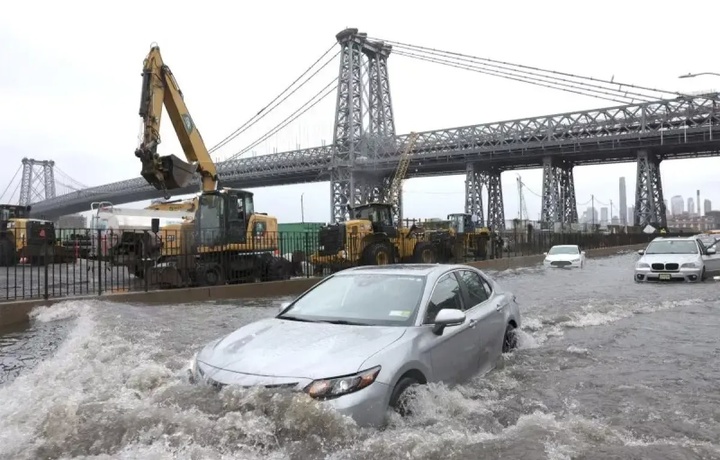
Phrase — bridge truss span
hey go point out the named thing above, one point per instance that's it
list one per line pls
(697, 114)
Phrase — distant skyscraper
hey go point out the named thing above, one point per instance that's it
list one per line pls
(677, 205)
(708, 206)
(691, 206)
(623, 202)
(631, 215)
(604, 215)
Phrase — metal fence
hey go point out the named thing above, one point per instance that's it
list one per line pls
(99, 262)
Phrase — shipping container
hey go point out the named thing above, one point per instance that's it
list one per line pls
(298, 236)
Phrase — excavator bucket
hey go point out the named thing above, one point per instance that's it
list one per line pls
(176, 173)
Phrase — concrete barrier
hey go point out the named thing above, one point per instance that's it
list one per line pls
(17, 311)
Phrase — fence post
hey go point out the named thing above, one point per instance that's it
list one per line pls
(306, 262)
(46, 295)
(100, 261)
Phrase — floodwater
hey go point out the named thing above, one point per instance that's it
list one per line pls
(607, 369)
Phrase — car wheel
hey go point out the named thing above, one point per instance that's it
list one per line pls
(510, 339)
(402, 395)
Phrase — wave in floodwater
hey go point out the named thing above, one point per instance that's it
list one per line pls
(593, 379)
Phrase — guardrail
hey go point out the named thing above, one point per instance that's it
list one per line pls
(99, 262)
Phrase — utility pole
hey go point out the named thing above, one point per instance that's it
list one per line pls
(611, 211)
(302, 208)
(593, 211)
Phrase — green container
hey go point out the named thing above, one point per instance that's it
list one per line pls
(298, 236)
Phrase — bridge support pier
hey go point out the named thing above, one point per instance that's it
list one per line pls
(649, 200)
(364, 124)
(558, 195)
(475, 179)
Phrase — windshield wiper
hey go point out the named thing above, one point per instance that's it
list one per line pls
(295, 318)
(347, 323)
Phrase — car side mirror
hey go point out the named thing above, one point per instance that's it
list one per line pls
(582, 253)
(711, 251)
(641, 252)
(283, 306)
(447, 317)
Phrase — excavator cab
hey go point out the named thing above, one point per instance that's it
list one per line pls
(222, 217)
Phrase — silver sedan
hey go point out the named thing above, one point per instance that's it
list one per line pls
(359, 339)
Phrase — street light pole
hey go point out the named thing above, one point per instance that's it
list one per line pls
(302, 208)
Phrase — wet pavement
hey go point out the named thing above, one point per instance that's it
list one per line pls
(607, 369)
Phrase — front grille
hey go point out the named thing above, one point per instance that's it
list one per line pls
(665, 267)
(331, 239)
(277, 386)
(560, 263)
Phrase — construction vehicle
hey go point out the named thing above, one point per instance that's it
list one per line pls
(124, 236)
(111, 226)
(227, 241)
(26, 240)
(370, 237)
(462, 238)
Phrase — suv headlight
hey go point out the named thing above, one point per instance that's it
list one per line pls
(643, 265)
(339, 386)
(689, 265)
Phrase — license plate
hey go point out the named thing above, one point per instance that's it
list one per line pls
(664, 276)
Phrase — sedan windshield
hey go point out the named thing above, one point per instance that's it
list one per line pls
(361, 298)
(563, 250)
(672, 247)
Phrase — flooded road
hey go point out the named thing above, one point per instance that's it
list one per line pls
(607, 369)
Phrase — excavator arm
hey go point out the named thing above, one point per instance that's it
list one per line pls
(170, 172)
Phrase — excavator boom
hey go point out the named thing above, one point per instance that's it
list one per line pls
(170, 172)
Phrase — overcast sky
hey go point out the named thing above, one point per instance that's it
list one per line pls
(70, 82)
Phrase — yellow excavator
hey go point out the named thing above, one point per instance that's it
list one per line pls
(370, 237)
(227, 241)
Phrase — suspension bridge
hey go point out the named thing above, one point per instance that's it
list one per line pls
(643, 125)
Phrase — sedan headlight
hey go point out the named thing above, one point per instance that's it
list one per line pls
(339, 386)
(576, 260)
(641, 265)
(689, 265)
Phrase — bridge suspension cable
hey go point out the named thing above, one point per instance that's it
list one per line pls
(294, 116)
(268, 109)
(588, 86)
(10, 183)
(79, 185)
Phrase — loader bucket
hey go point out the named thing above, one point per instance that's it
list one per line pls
(176, 173)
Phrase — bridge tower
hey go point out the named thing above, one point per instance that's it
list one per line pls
(649, 200)
(477, 177)
(558, 194)
(364, 125)
(38, 181)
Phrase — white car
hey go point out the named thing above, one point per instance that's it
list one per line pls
(565, 256)
(691, 259)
